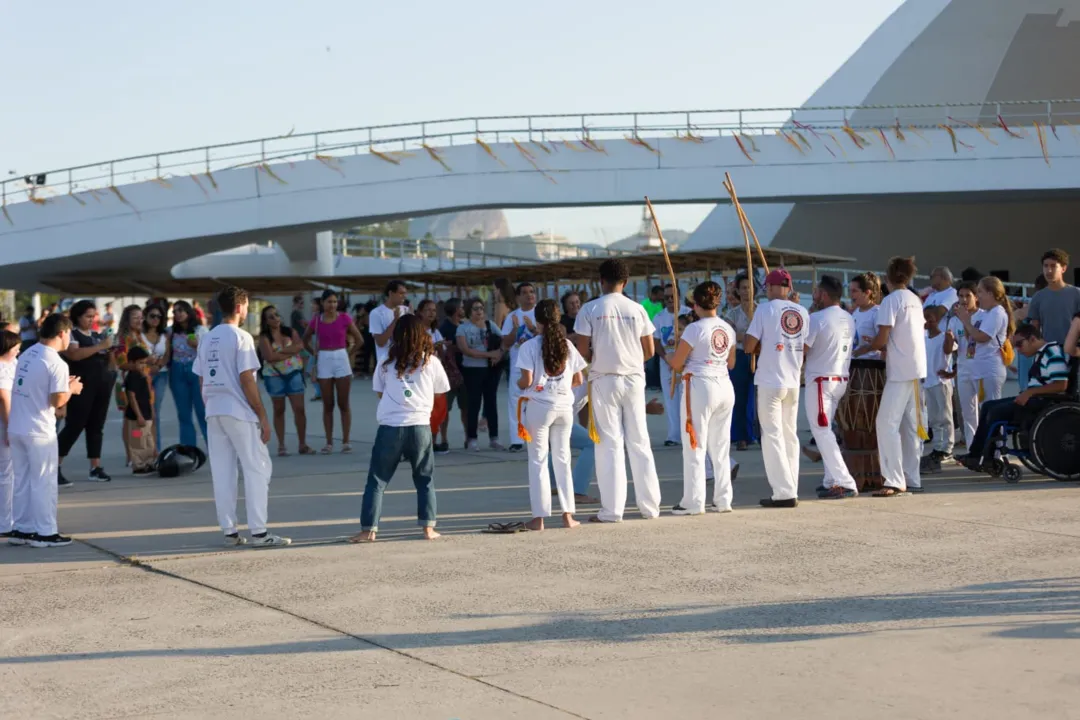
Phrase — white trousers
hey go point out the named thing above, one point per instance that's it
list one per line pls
(548, 425)
(671, 404)
(711, 403)
(899, 446)
(512, 395)
(831, 391)
(939, 415)
(968, 391)
(993, 386)
(778, 412)
(618, 407)
(233, 441)
(7, 485)
(35, 462)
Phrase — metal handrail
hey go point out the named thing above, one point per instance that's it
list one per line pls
(436, 133)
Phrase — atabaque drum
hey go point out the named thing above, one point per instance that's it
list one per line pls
(857, 416)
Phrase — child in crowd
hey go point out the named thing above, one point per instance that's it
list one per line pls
(407, 383)
(140, 412)
(9, 352)
(938, 387)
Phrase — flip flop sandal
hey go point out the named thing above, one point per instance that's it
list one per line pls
(506, 528)
(889, 492)
(327, 450)
(307, 450)
(282, 452)
(346, 449)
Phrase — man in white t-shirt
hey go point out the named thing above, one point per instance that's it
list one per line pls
(828, 359)
(779, 330)
(236, 423)
(621, 336)
(942, 291)
(381, 320)
(900, 428)
(42, 384)
(518, 328)
(664, 338)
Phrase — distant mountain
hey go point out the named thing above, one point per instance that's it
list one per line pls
(674, 239)
(489, 224)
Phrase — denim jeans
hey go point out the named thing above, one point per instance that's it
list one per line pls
(586, 462)
(161, 382)
(188, 397)
(392, 444)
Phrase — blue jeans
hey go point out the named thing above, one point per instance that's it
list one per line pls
(188, 397)
(392, 444)
(586, 462)
(161, 381)
(742, 417)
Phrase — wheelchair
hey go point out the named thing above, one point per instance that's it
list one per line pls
(1048, 444)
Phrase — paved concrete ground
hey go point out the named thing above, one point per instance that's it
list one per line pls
(961, 603)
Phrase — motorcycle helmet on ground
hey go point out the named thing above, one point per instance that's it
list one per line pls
(179, 460)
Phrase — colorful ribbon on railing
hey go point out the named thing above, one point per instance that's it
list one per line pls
(436, 156)
(489, 151)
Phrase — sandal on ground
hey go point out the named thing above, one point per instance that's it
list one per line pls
(506, 528)
(346, 449)
(306, 450)
(282, 452)
(888, 492)
(327, 450)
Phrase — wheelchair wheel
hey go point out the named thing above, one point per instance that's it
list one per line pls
(1012, 473)
(1055, 441)
(1022, 451)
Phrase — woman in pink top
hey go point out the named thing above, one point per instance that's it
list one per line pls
(333, 365)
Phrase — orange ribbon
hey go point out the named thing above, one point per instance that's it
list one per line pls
(523, 432)
(689, 418)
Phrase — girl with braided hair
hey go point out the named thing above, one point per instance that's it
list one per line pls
(407, 383)
(550, 368)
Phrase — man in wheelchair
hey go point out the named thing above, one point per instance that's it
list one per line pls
(1047, 383)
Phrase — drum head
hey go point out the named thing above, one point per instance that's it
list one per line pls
(1056, 441)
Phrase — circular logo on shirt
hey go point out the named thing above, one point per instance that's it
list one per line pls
(408, 393)
(213, 373)
(539, 388)
(791, 322)
(719, 341)
(20, 381)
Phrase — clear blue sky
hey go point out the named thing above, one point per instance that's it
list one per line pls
(91, 81)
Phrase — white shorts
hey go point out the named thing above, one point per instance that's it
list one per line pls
(333, 365)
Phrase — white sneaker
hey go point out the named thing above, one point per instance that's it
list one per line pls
(270, 540)
(713, 507)
(496, 445)
(680, 510)
(472, 445)
(235, 540)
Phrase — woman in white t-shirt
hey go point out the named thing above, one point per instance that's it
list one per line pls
(865, 292)
(959, 342)
(550, 370)
(990, 330)
(407, 383)
(9, 352)
(705, 357)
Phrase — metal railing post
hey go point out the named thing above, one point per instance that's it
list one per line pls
(112, 168)
(207, 151)
(71, 185)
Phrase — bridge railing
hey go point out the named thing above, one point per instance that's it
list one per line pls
(395, 139)
(451, 254)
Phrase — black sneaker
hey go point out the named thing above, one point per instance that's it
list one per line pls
(442, 448)
(98, 474)
(680, 510)
(516, 447)
(941, 456)
(44, 541)
(929, 465)
(735, 472)
(62, 481)
(671, 443)
(15, 537)
(770, 503)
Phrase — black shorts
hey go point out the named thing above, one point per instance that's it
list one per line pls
(460, 395)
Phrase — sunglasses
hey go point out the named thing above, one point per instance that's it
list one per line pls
(154, 316)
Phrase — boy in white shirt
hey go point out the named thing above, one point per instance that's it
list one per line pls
(828, 359)
(406, 396)
(958, 343)
(902, 334)
(381, 320)
(42, 384)
(664, 342)
(778, 331)
(938, 388)
(518, 328)
(621, 335)
(236, 423)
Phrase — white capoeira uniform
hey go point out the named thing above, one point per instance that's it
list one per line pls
(615, 324)
(7, 471)
(547, 413)
(988, 367)
(938, 394)
(233, 429)
(40, 373)
(521, 336)
(781, 327)
(665, 337)
(828, 360)
(900, 418)
(711, 402)
(967, 387)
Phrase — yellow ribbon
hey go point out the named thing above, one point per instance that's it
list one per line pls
(594, 434)
(920, 429)
(982, 392)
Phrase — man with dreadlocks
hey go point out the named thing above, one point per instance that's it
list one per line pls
(407, 382)
(550, 368)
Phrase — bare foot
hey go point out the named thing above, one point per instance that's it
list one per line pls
(568, 521)
(366, 536)
(430, 534)
(535, 524)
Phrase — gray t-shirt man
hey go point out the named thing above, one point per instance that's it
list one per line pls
(1054, 310)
